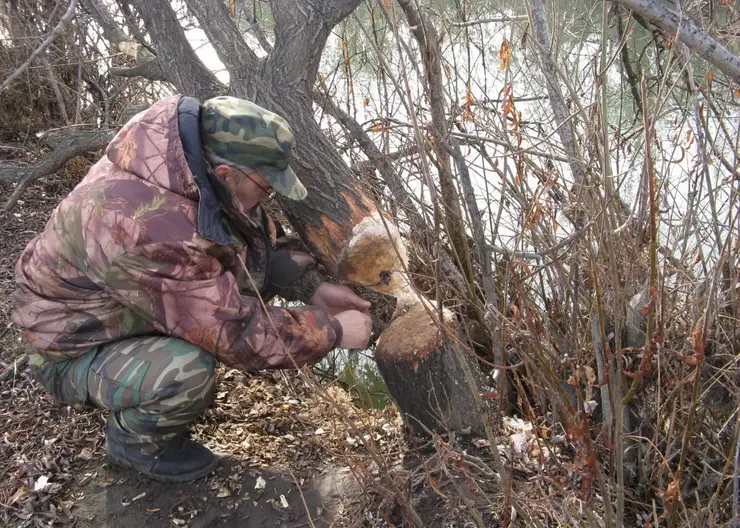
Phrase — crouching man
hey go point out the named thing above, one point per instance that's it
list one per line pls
(160, 263)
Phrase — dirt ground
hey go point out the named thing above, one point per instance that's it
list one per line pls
(108, 496)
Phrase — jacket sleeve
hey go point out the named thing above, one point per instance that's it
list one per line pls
(188, 294)
(294, 273)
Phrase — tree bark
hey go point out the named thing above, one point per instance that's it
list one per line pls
(541, 32)
(182, 66)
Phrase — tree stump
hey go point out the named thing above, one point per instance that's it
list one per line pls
(424, 372)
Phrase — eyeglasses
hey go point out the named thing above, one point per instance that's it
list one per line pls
(269, 191)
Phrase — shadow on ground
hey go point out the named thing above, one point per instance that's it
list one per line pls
(108, 496)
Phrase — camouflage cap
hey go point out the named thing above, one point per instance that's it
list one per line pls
(250, 136)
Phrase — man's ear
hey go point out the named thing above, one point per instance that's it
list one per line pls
(221, 170)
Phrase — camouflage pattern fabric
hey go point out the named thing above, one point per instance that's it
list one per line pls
(155, 386)
(122, 257)
(250, 136)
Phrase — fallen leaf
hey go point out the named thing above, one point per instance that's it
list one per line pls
(519, 442)
(85, 454)
(590, 374)
(697, 340)
(223, 492)
(19, 495)
(41, 483)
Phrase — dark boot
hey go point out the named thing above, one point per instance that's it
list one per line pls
(179, 460)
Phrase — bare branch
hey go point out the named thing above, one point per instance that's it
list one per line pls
(151, 70)
(183, 67)
(688, 33)
(476, 222)
(227, 40)
(301, 31)
(497, 20)
(57, 92)
(337, 10)
(256, 28)
(68, 15)
(391, 156)
(147, 64)
(376, 157)
(429, 44)
(111, 30)
(538, 16)
(67, 148)
(632, 75)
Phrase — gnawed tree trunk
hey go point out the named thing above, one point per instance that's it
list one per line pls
(423, 368)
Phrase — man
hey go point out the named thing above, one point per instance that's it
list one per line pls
(160, 262)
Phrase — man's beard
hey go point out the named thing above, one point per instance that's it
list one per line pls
(232, 207)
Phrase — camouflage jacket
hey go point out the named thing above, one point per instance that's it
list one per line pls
(140, 247)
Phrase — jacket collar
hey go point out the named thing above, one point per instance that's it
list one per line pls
(210, 222)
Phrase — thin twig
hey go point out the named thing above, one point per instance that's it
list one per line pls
(15, 369)
(68, 15)
(303, 500)
(496, 20)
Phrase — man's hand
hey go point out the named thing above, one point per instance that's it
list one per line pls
(335, 298)
(356, 327)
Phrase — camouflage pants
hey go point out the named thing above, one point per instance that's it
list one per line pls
(154, 386)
